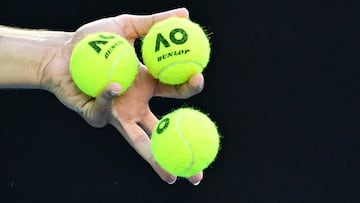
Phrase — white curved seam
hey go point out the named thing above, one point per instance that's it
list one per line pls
(113, 65)
(181, 135)
(173, 64)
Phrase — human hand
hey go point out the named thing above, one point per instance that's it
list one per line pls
(129, 113)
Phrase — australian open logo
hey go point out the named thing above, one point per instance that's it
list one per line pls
(177, 36)
(164, 123)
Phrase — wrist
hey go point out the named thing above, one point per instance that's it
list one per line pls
(54, 65)
(25, 55)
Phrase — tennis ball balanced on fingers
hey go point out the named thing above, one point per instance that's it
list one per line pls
(101, 58)
(175, 49)
(185, 142)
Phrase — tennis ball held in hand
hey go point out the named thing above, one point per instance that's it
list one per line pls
(174, 49)
(101, 58)
(185, 142)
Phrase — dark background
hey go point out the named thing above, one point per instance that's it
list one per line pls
(282, 84)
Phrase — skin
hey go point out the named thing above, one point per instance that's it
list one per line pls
(39, 59)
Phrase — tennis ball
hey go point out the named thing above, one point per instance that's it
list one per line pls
(185, 142)
(101, 58)
(175, 49)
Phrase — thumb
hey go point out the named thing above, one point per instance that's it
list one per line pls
(100, 110)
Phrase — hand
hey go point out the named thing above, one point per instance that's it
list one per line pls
(129, 113)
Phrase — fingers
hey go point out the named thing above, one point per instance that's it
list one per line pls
(99, 112)
(149, 122)
(196, 179)
(194, 86)
(136, 26)
(139, 140)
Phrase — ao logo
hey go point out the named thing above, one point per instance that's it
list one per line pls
(176, 36)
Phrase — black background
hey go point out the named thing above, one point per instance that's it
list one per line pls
(282, 84)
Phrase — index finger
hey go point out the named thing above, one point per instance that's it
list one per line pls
(135, 26)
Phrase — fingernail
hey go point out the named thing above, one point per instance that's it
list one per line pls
(196, 183)
(114, 93)
(172, 181)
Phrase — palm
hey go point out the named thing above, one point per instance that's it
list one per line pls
(132, 106)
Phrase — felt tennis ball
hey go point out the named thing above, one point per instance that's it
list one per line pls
(185, 142)
(175, 49)
(101, 58)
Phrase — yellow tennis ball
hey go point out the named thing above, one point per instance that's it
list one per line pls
(101, 58)
(185, 142)
(175, 49)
